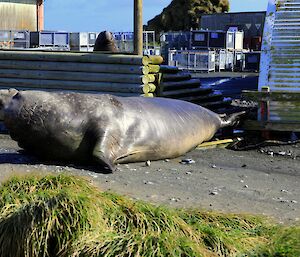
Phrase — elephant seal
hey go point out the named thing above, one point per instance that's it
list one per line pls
(105, 42)
(106, 129)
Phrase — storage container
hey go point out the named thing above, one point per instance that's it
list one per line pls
(252, 60)
(83, 41)
(49, 38)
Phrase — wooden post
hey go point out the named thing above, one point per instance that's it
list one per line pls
(138, 27)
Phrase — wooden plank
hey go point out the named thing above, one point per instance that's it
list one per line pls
(71, 85)
(149, 88)
(75, 57)
(153, 68)
(168, 69)
(271, 96)
(74, 66)
(178, 85)
(199, 99)
(77, 76)
(82, 91)
(154, 59)
(181, 76)
(271, 126)
(186, 92)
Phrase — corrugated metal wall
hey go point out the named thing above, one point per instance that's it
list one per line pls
(280, 60)
(18, 15)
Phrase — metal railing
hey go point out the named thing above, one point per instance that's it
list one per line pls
(193, 60)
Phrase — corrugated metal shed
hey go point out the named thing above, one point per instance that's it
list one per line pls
(280, 60)
(18, 15)
(251, 23)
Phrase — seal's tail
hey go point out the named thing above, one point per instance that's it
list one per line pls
(231, 120)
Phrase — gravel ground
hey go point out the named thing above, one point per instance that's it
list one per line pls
(264, 181)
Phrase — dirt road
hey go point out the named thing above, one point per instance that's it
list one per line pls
(265, 181)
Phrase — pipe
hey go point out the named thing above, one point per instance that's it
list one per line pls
(40, 15)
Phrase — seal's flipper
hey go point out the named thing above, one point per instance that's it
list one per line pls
(231, 120)
(100, 158)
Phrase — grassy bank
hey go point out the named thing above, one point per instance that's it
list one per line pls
(67, 216)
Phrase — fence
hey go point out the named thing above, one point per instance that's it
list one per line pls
(193, 60)
(82, 41)
(14, 39)
(124, 41)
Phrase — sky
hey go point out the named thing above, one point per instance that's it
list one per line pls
(115, 15)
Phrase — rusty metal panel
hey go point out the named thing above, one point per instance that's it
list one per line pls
(18, 15)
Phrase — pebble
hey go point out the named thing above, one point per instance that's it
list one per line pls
(188, 173)
(175, 199)
(214, 193)
(246, 186)
(148, 163)
(187, 161)
(93, 175)
(294, 201)
(148, 183)
(284, 191)
(167, 160)
(284, 201)
(213, 166)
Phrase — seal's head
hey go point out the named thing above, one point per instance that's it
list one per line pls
(5, 97)
(105, 42)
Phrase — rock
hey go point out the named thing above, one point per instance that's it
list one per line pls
(148, 163)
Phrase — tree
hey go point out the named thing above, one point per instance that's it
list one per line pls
(185, 14)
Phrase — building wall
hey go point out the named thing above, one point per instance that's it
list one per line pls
(18, 15)
(252, 23)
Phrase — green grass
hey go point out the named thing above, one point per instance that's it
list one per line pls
(67, 216)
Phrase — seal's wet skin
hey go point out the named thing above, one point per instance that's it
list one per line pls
(106, 129)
